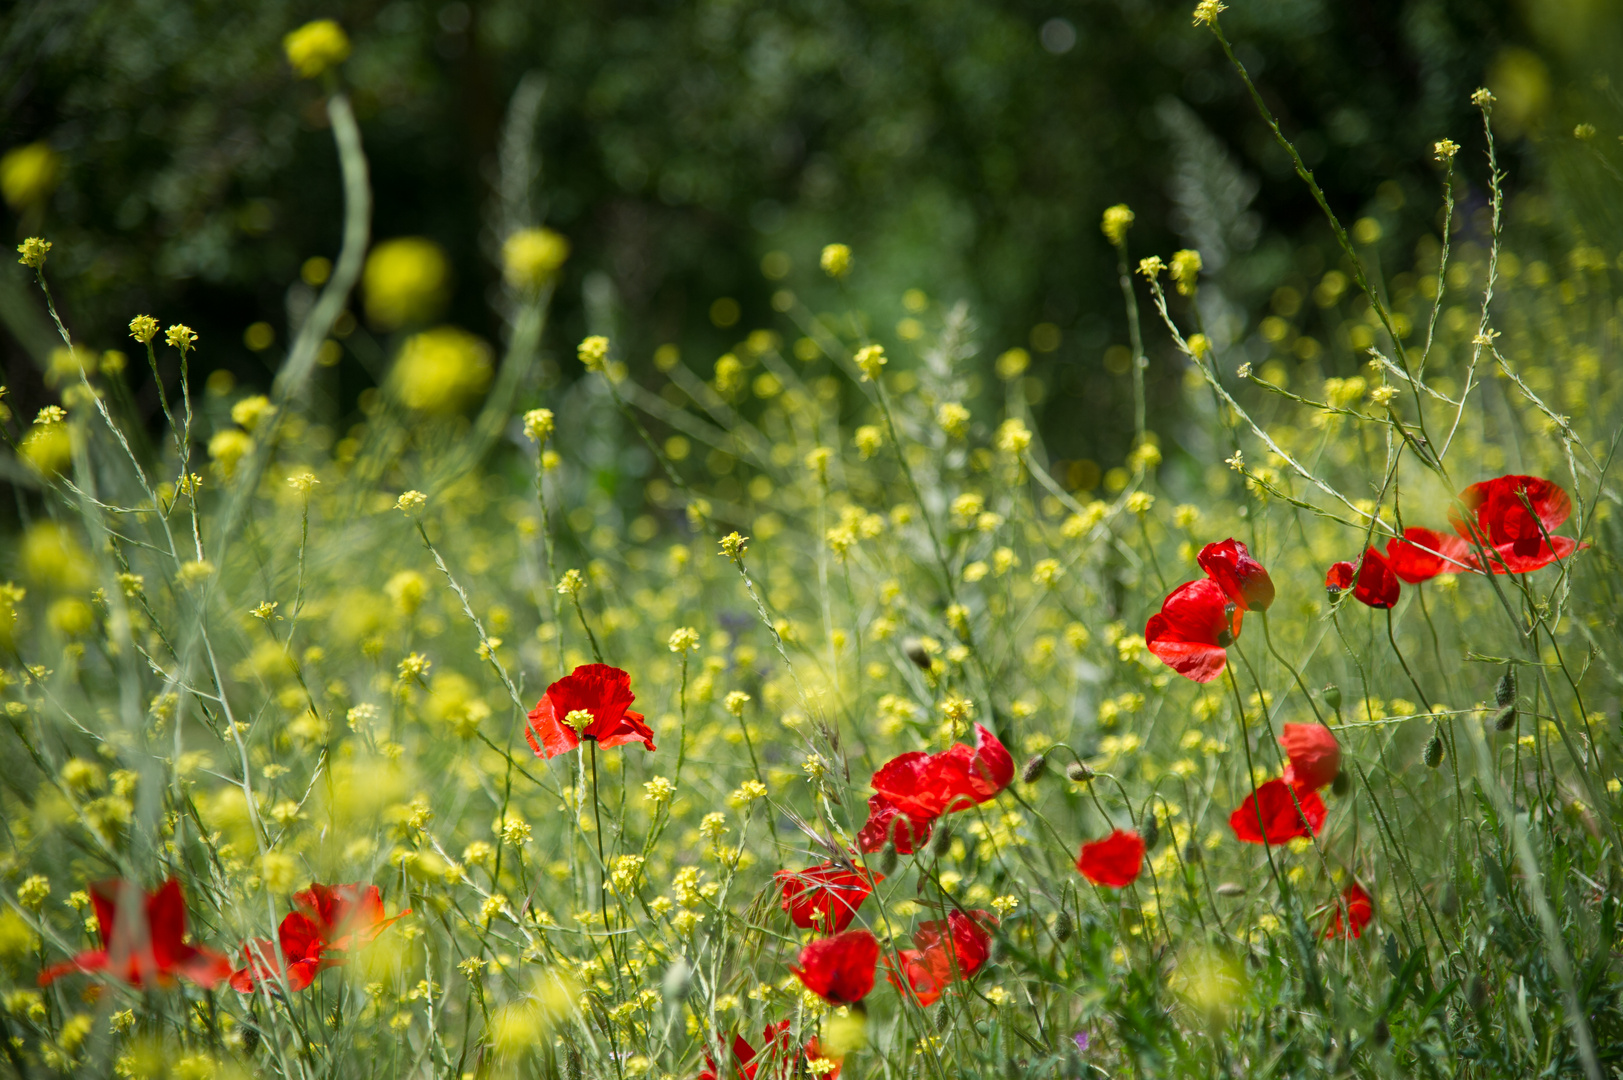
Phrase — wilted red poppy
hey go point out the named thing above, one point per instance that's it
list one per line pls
(1194, 628)
(1241, 577)
(1421, 554)
(825, 897)
(330, 921)
(1315, 756)
(1514, 530)
(886, 824)
(598, 697)
(1360, 910)
(146, 947)
(839, 968)
(1115, 861)
(1372, 581)
(929, 968)
(1280, 819)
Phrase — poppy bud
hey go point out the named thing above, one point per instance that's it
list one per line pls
(1449, 905)
(914, 648)
(1332, 696)
(1150, 832)
(1382, 1033)
(573, 1068)
(1033, 769)
(1000, 950)
(250, 1038)
(1506, 719)
(1504, 691)
(1079, 772)
(1433, 755)
(887, 860)
(941, 841)
(1476, 992)
(1064, 927)
(1192, 852)
(1341, 784)
(943, 1019)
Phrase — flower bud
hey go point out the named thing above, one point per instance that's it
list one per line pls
(1332, 696)
(1433, 755)
(1150, 832)
(887, 860)
(1193, 853)
(1504, 691)
(1079, 772)
(1342, 783)
(1033, 769)
(914, 648)
(1064, 926)
(941, 841)
(1506, 719)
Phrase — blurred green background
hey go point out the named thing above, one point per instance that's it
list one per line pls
(962, 147)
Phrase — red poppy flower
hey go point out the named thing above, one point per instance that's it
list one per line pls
(926, 786)
(1515, 529)
(1194, 628)
(303, 950)
(825, 897)
(1315, 756)
(603, 693)
(1115, 861)
(1372, 581)
(330, 921)
(1360, 910)
(839, 968)
(887, 824)
(775, 1048)
(1280, 819)
(1241, 577)
(930, 968)
(744, 1064)
(145, 947)
(1421, 554)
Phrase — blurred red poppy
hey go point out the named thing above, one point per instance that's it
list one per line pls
(929, 968)
(1194, 628)
(1115, 861)
(144, 947)
(599, 697)
(775, 1052)
(1314, 754)
(1281, 821)
(887, 824)
(1421, 554)
(825, 897)
(840, 968)
(1241, 577)
(1360, 910)
(1515, 529)
(1372, 581)
(330, 921)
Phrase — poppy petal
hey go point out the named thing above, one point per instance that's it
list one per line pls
(1114, 862)
(840, 968)
(1421, 554)
(1315, 756)
(1280, 821)
(1241, 577)
(1192, 631)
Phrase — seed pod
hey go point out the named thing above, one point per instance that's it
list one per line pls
(1505, 719)
(1381, 1034)
(1433, 755)
(1150, 833)
(1332, 696)
(941, 841)
(1064, 926)
(1033, 769)
(887, 860)
(1230, 888)
(914, 648)
(1079, 771)
(1504, 691)
(1342, 783)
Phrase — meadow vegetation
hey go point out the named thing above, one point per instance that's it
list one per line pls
(871, 747)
